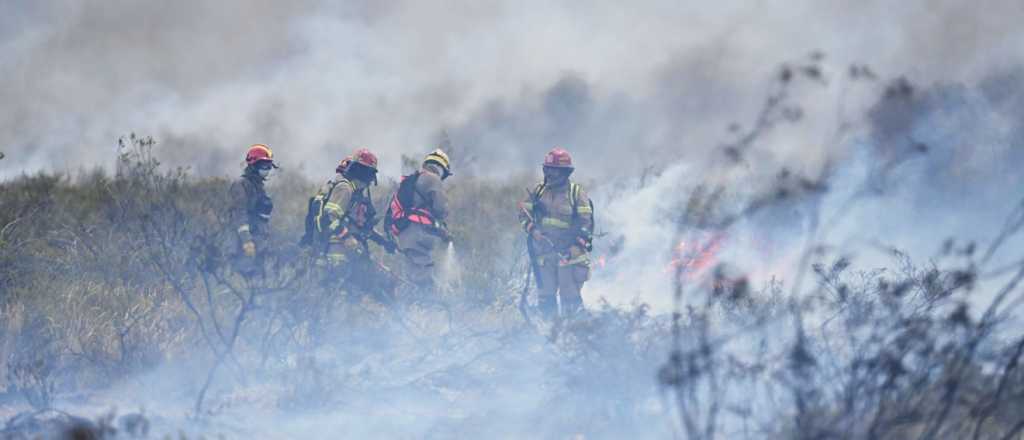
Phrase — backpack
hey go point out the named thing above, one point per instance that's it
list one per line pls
(318, 230)
(574, 200)
(401, 208)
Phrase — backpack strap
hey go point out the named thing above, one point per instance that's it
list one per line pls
(534, 202)
(352, 200)
(317, 220)
(327, 197)
(539, 190)
(395, 222)
(574, 195)
(574, 198)
(417, 191)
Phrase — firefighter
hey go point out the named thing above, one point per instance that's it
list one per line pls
(417, 216)
(318, 217)
(250, 208)
(558, 219)
(340, 224)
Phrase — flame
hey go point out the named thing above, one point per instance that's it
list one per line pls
(692, 259)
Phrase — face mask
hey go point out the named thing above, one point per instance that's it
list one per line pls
(554, 175)
(361, 175)
(263, 172)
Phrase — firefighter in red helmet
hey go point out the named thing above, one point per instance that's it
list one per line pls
(341, 206)
(250, 208)
(558, 219)
(340, 224)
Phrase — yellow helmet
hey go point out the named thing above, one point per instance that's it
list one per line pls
(439, 158)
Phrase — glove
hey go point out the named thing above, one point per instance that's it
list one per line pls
(249, 249)
(529, 227)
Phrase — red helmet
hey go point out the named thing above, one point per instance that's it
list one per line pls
(558, 158)
(259, 153)
(364, 157)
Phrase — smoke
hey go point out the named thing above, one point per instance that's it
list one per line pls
(915, 167)
(315, 79)
(647, 92)
(643, 96)
(630, 90)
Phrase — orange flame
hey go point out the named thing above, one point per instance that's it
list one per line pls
(693, 259)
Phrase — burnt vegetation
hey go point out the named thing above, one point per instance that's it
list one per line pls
(905, 351)
(105, 277)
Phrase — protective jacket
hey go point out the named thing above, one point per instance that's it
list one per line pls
(426, 226)
(250, 208)
(429, 195)
(563, 217)
(348, 216)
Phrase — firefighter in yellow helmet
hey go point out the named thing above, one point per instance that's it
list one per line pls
(250, 208)
(558, 219)
(417, 216)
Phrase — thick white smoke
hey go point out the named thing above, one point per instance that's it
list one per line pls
(627, 88)
(315, 79)
(652, 86)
